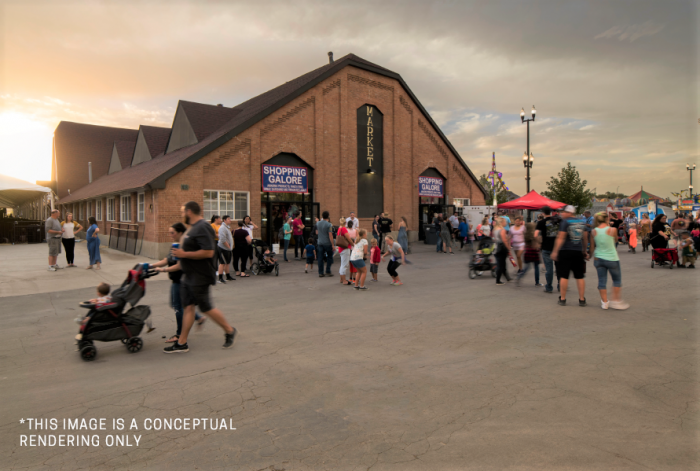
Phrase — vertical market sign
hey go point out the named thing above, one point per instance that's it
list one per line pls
(370, 161)
(283, 179)
(430, 186)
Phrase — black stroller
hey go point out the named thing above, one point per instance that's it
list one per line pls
(262, 265)
(109, 322)
(481, 260)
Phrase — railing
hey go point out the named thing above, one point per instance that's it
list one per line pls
(124, 237)
(18, 231)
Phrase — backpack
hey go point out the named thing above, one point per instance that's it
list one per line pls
(281, 233)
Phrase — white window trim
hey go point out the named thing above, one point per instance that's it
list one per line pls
(247, 211)
(98, 210)
(112, 219)
(121, 208)
(140, 216)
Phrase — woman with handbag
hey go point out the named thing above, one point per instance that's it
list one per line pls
(344, 244)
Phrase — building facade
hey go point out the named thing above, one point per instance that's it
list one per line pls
(349, 136)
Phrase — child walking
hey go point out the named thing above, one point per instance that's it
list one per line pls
(632, 234)
(374, 258)
(310, 254)
(688, 250)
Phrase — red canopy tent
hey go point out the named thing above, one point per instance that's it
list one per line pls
(531, 201)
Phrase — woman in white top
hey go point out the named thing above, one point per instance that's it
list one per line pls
(359, 252)
(70, 228)
(517, 240)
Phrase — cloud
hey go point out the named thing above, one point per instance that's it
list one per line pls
(633, 32)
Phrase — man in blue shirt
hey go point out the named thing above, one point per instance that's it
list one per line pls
(570, 252)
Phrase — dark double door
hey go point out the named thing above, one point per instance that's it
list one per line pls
(426, 213)
(275, 212)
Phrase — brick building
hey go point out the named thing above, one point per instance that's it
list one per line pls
(348, 136)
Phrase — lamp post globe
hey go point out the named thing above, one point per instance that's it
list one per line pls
(534, 111)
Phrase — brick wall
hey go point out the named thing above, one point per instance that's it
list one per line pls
(320, 127)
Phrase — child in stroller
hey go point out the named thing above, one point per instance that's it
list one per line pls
(481, 261)
(106, 320)
(266, 261)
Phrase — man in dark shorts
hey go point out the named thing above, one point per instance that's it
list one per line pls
(570, 253)
(195, 254)
(546, 231)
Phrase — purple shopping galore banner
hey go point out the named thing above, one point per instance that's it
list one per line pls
(430, 186)
(283, 179)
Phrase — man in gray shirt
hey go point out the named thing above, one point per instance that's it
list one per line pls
(326, 246)
(225, 247)
(54, 231)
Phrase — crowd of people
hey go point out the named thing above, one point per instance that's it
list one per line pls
(202, 252)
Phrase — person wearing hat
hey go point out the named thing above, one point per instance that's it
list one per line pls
(570, 253)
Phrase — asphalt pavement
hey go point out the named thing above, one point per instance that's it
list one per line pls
(441, 373)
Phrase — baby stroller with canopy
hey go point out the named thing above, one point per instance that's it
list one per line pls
(481, 261)
(108, 322)
(264, 263)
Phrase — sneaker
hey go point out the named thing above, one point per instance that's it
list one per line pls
(52, 268)
(364, 288)
(691, 266)
(321, 275)
(619, 305)
(176, 348)
(548, 291)
(604, 305)
(373, 279)
(230, 278)
(306, 271)
(230, 338)
(57, 267)
(221, 280)
(329, 274)
(356, 287)
(582, 302)
(500, 283)
(539, 284)
(562, 303)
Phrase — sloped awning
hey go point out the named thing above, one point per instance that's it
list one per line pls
(531, 201)
(14, 192)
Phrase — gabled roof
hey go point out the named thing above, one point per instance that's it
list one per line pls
(156, 139)
(125, 150)
(76, 144)
(154, 173)
(205, 119)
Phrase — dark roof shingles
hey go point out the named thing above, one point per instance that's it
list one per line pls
(76, 144)
(156, 139)
(206, 119)
(125, 151)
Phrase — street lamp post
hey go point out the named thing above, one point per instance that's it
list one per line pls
(528, 159)
(690, 187)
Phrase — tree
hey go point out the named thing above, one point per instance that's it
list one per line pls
(501, 196)
(611, 195)
(569, 189)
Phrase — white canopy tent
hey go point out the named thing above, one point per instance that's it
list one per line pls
(14, 192)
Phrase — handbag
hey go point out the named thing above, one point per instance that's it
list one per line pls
(342, 241)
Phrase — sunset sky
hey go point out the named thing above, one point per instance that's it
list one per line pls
(614, 82)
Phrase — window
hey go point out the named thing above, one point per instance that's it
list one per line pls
(98, 210)
(126, 209)
(460, 204)
(80, 211)
(141, 207)
(234, 203)
(110, 209)
(89, 209)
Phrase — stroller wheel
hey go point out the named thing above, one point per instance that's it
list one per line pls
(652, 264)
(134, 344)
(88, 352)
(472, 273)
(670, 266)
(277, 270)
(255, 269)
(124, 341)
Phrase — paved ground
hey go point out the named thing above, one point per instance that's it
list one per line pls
(442, 373)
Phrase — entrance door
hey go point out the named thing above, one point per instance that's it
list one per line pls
(426, 213)
(274, 214)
